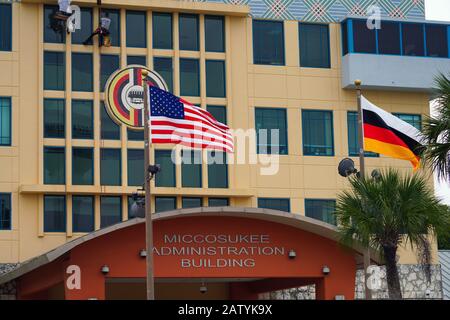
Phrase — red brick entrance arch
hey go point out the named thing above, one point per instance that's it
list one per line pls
(266, 250)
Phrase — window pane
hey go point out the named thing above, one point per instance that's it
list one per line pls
(136, 208)
(53, 30)
(108, 64)
(363, 37)
(54, 165)
(82, 78)
(218, 112)
(436, 40)
(54, 214)
(189, 202)
(165, 204)
(135, 167)
(314, 45)
(217, 170)
(109, 129)
(82, 119)
(110, 211)
(82, 166)
(5, 121)
(162, 30)
(5, 27)
(140, 60)
(54, 118)
(389, 38)
(165, 69)
(322, 210)
(166, 177)
(413, 119)
(136, 29)
(353, 145)
(271, 128)
(135, 135)
(274, 204)
(114, 28)
(54, 71)
(191, 169)
(79, 36)
(214, 33)
(110, 167)
(82, 213)
(189, 77)
(188, 32)
(412, 39)
(218, 202)
(317, 133)
(215, 78)
(5, 211)
(268, 42)
(344, 34)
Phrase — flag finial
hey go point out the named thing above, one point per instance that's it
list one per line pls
(358, 82)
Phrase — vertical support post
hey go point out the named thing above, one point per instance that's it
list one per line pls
(148, 213)
(362, 171)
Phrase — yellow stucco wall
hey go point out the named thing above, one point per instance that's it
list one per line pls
(247, 86)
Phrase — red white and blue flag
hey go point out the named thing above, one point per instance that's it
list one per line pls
(174, 120)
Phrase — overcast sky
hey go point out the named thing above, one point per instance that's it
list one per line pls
(439, 10)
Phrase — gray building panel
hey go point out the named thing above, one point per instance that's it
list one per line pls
(444, 260)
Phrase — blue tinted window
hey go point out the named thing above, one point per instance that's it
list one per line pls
(136, 29)
(322, 210)
(108, 64)
(191, 202)
(54, 165)
(54, 214)
(54, 118)
(215, 79)
(114, 27)
(314, 45)
(191, 169)
(79, 36)
(218, 112)
(389, 38)
(135, 167)
(5, 211)
(82, 213)
(218, 202)
(412, 35)
(109, 129)
(5, 121)
(188, 32)
(436, 40)
(214, 33)
(5, 27)
(166, 177)
(82, 166)
(413, 119)
(140, 60)
(353, 145)
(110, 167)
(163, 66)
(54, 30)
(82, 77)
(110, 210)
(135, 135)
(317, 133)
(363, 37)
(271, 129)
(344, 34)
(217, 170)
(162, 30)
(165, 204)
(274, 204)
(82, 119)
(189, 77)
(54, 71)
(268, 42)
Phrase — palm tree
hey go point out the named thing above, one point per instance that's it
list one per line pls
(388, 211)
(436, 131)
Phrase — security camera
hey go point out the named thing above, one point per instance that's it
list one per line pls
(346, 167)
(154, 169)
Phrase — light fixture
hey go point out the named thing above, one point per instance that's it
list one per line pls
(347, 167)
(203, 288)
(292, 254)
(105, 269)
(143, 253)
(325, 270)
(339, 297)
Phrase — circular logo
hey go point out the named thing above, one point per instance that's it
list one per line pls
(124, 95)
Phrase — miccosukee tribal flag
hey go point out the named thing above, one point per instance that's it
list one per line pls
(174, 120)
(387, 134)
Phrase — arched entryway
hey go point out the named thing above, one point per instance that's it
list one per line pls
(236, 253)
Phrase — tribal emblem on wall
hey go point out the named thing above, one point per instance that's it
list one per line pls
(124, 95)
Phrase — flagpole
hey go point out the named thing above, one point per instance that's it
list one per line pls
(362, 172)
(148, 215)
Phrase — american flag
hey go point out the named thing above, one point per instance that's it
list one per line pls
(174, 120)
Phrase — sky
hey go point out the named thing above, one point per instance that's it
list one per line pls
(439, 10)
